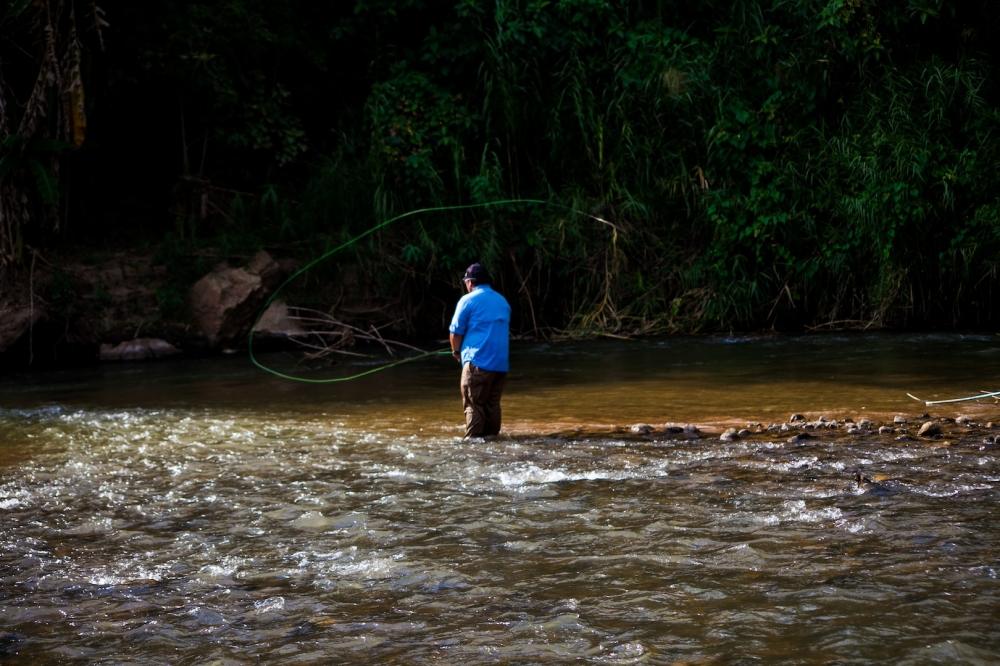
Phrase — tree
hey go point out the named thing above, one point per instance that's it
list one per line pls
(40, 61)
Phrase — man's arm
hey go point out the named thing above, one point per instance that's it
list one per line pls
(456, 345)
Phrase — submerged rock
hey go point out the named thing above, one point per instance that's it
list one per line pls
(10, 643)
(139, 349)
(729, 435)
(207, 617)
(312, 520)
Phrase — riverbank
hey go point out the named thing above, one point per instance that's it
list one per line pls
(134, 306)
(130, 305)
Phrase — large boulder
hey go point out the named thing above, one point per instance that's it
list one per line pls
(225, 302)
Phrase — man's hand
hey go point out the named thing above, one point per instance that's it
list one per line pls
(456, 346)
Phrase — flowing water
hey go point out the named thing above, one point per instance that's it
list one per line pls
(203, 512)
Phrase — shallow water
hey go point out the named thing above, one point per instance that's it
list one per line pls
(198, 512)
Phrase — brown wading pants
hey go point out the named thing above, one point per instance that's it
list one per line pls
(481, 391)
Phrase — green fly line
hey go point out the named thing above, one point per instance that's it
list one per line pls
(348, 243)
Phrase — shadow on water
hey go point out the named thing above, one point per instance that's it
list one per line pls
(717, 380)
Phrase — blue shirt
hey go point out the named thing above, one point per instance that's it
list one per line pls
(482, 318)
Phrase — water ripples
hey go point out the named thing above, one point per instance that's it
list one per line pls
(163, 535)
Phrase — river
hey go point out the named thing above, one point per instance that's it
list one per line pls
(196, 512)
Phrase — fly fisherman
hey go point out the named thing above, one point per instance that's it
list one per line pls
(479, 335)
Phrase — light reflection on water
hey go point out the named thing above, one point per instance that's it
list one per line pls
(159, 514)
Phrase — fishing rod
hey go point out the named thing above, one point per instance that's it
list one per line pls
(980, 396)
(351, 241)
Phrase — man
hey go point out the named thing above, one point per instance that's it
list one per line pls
(479, 335)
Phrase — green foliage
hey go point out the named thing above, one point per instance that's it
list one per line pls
(417, 132)
(220, 52)
(753, 164)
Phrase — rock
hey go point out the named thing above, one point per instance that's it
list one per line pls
(226, 301)
(929, 429)
(16, 322)
(275, 322)
(641, 429)
(989, 425)
(963, 420)
(799, 438)
(795, 418)
(139, 349)
(743, 433)
(729, 435)
(853, 429)
(885, 430)
(899, 420)
(691, 432)
(864, 424)
(686, 431)
(265, 266)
